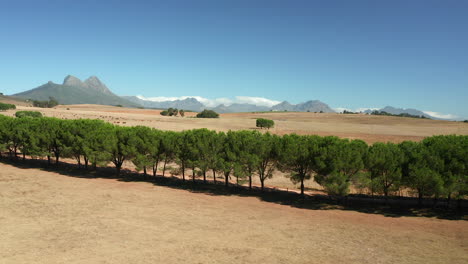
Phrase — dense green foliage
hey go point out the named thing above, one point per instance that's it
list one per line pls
(4, 107)
(436, 167)
(265, 123)
(171, 112)
(207, 114)
(34, 114)
(52, 102)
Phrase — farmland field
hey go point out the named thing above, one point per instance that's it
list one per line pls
(47, 217)
(366, 127)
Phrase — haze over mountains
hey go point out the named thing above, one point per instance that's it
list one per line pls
(93, 91)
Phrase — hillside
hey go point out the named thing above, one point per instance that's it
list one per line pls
(74, 91)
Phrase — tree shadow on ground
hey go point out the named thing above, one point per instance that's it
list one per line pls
(393, 207)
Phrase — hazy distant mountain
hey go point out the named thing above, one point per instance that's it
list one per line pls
(74, 91)
(309, 106)
(283, 106)
(236, 108)
(397, 111)
(194, 105)
(186, 104)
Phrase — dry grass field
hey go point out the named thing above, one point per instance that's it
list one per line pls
(365, 127)
(47, 217)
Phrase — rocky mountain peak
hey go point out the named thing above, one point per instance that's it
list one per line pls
(94, 83)
(72, 81)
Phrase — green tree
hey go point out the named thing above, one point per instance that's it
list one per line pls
(143, 144)
(207, 114)
(122, 146)
(265, 123)
(297, 156)
(266, 149)
(245, 153)
(341, 160)
(384, 162)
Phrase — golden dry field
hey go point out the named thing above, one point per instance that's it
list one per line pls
(47, 217)
(366, 127)
(53, 217)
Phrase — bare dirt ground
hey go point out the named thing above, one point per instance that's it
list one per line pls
(365, 127)
(47, 217)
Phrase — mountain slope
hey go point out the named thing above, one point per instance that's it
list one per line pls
(74, 91)
(191, 104)
(309, 106)
(396, 111)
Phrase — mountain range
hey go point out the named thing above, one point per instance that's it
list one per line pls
(74, 91)
(93, 91)
(397, 111)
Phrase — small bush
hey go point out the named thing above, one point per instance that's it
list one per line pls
(4, 107)
(170, 112)
(267, 123)
(207, 114)
(46, 104)
(33, 114)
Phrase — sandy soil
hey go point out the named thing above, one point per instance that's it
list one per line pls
(46, 217)
(366, 127)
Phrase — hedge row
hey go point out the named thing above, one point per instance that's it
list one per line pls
(435, 167)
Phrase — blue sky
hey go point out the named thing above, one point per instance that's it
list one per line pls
(348, 54)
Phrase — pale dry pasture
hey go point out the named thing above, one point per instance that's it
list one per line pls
(48, 217)
(354, 126)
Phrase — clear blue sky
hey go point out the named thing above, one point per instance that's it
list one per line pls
(351, 54)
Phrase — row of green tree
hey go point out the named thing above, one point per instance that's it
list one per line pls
(4, 107)
(435, 167)
(52, 102)
(173, 112)
(376, 112)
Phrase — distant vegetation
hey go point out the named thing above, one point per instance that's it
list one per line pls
(433, 168)
(349, 112)
(401, 115)
(171, 112)
(4, 107)
(33, 114)
(207, 114)
(45, 104)
(265, 123)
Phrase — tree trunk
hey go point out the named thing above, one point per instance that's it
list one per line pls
(86, 163)
(262, 183)
(56, 159)
(48, 160)
(420, 196)
(154, 169)
(302, 186)
(144, 171)
(164, 167)
(204, 176)
(226, 183)
(193, 174)
(118, 167)
(24, 156)
(214, 176)
(250, 182)
(183, 172)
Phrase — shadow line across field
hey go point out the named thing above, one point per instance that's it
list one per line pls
(393, 207)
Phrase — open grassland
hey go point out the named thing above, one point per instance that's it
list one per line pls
(366, 127)
(47, 217)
